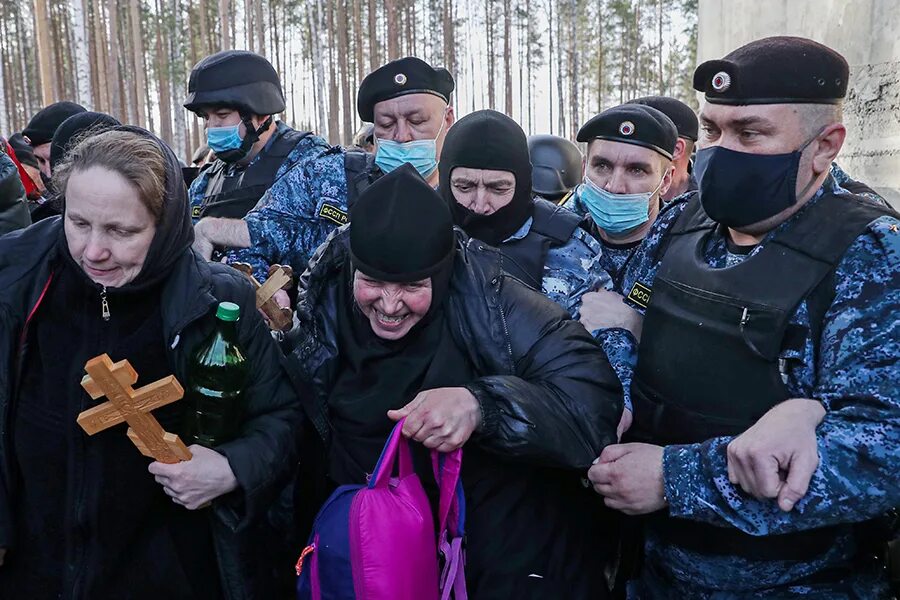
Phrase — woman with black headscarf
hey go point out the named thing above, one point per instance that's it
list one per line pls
(399, 316)
(84, 517)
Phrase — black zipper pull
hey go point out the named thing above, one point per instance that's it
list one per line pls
(104, 305)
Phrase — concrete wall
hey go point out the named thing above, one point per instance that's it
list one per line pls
(866, 32)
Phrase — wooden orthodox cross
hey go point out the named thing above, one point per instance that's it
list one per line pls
(115, 381)
(280, 278)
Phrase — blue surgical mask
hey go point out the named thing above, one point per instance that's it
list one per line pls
(421, 154)
(222, 139)
(616, 213)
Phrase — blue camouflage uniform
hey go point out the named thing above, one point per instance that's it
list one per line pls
(570, 270)
(298, 212)
(619, 344)
(854, 373)
(299, 154)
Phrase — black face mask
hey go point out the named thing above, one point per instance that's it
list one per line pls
(739, 188)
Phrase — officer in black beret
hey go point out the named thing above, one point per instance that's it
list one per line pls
(408, 100)
(766, 412)
(238, 94)
(40, 129)
(627, 170)
(685, 120)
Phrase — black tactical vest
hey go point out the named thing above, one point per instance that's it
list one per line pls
(708, 363)
(232, 191)
(552, 226)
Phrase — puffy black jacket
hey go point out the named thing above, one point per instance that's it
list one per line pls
(13, 204)
(551, 403)
(264, 454)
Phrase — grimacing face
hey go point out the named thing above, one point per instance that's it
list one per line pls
(622, 168)
(413, 117)
(483, 191)
(108, 229)
(392, 308)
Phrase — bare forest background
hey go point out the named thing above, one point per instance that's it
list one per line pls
(550, 64)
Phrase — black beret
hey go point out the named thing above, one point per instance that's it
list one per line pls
(408, 75)
(24, 151)
(633, 124)
(775, 70)
(400, 228)
(236, 78)
(43, 125)
(72, 128)
(681, 114)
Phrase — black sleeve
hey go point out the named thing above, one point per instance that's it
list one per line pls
(265, 454)
(13, 205)
(561, 406)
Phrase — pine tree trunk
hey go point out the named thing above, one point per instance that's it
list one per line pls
(317, 31)
(45, 52)
(137, 47)
(393, 34)
(560, 70)
(334, 134)
(574, 70)
(225, 23)
(112, 61)
(373, 35)
(343, 54)
(550, 62)
(489, 25)
(81, 49)
(600, 56)
(507, 56)
(179, 132)
(165, 93)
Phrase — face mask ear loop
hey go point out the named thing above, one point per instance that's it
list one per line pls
(801, 149)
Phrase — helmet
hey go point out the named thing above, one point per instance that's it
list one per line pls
(236, 78)
(556, 165)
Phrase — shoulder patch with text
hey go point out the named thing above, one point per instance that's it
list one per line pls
(334, 214)
(640, 295)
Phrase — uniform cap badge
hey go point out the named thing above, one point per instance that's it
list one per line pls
(400, 79)
(721, 81)
(626, 128)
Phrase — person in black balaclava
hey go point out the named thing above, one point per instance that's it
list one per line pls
(84, 516)
(410, 322)
(486, 181)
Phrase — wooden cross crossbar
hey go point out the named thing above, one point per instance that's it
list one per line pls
(280, 278)
(115, 381)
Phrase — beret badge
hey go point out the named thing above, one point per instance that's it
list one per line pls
(721, 81)
(400, 79)
(626, 128)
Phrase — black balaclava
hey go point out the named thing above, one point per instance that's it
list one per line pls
(72, 128)
(174, 231)
(487, 139)
(400, 231)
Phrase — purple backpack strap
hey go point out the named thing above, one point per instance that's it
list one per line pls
(396, 444)
(451, 522)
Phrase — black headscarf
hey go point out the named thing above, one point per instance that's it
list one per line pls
(73, 127)
(174, 231)
(400, 231)
(487, 139)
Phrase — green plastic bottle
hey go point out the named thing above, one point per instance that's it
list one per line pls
(217, 376)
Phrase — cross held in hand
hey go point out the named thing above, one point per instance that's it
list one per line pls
(115, 381)
(280, 278)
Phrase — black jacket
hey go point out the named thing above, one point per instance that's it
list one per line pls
(264, 454)
(551, 403)
(13, 204)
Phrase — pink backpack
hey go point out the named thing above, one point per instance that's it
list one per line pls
(377, 541)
